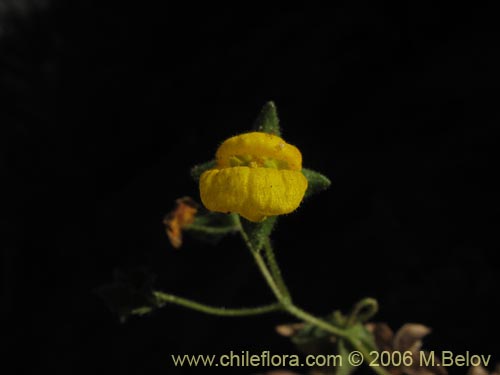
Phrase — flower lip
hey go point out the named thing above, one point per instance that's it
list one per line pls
(254, 193)
(257, 149)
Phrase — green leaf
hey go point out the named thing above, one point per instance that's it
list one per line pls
(198, 169)
(316, 182)
(130, 293)
(337, 318)
(212, 226)
(360, 331)
(268, 121)
(258, 232)
(310, 333)
(313, 340)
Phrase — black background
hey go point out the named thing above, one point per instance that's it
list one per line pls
(106, 106)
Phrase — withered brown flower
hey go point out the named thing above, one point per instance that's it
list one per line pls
(179, 218)
(407, 338)
(480, 370)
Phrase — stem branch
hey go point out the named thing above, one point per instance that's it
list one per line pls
(221, 311)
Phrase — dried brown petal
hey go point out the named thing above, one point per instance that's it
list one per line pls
(180, 217)
(477, 370)
(289, 330)
(415, 369)
(409, 336)
(322, 371)
(383, 335)
(425, 371)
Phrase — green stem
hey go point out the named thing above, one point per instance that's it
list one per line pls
(221, 311)
(275, 269)
(269, 278)
(285, 302)
(259, 260)
(320, 323)
(244, 234)
(278, 287)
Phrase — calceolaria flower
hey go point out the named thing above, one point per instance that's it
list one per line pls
(256, 175)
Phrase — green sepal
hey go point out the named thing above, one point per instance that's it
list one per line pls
(316, 182)
(212, 226)
(268, 121)
(258, 232)
(198, 169)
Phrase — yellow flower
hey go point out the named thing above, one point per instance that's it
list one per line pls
(256, 175)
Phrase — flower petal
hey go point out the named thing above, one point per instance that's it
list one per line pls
(254, 193)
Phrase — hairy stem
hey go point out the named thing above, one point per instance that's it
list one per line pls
(275, 269)
(361, 312)
(268, 277)
(320, 323)
(221, 311)
(260, 261)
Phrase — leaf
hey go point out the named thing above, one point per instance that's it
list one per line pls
(362, 332)
(258, 232)
(212, 226)
(268, 121)
(198, 169)
(337, 318)
(310, 332)
(316, 182)
(130, 293)
(313, 340)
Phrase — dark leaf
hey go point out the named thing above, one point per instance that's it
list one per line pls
(131, 292)
(316, 182)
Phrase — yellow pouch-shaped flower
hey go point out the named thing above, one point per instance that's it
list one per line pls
(257, 175)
